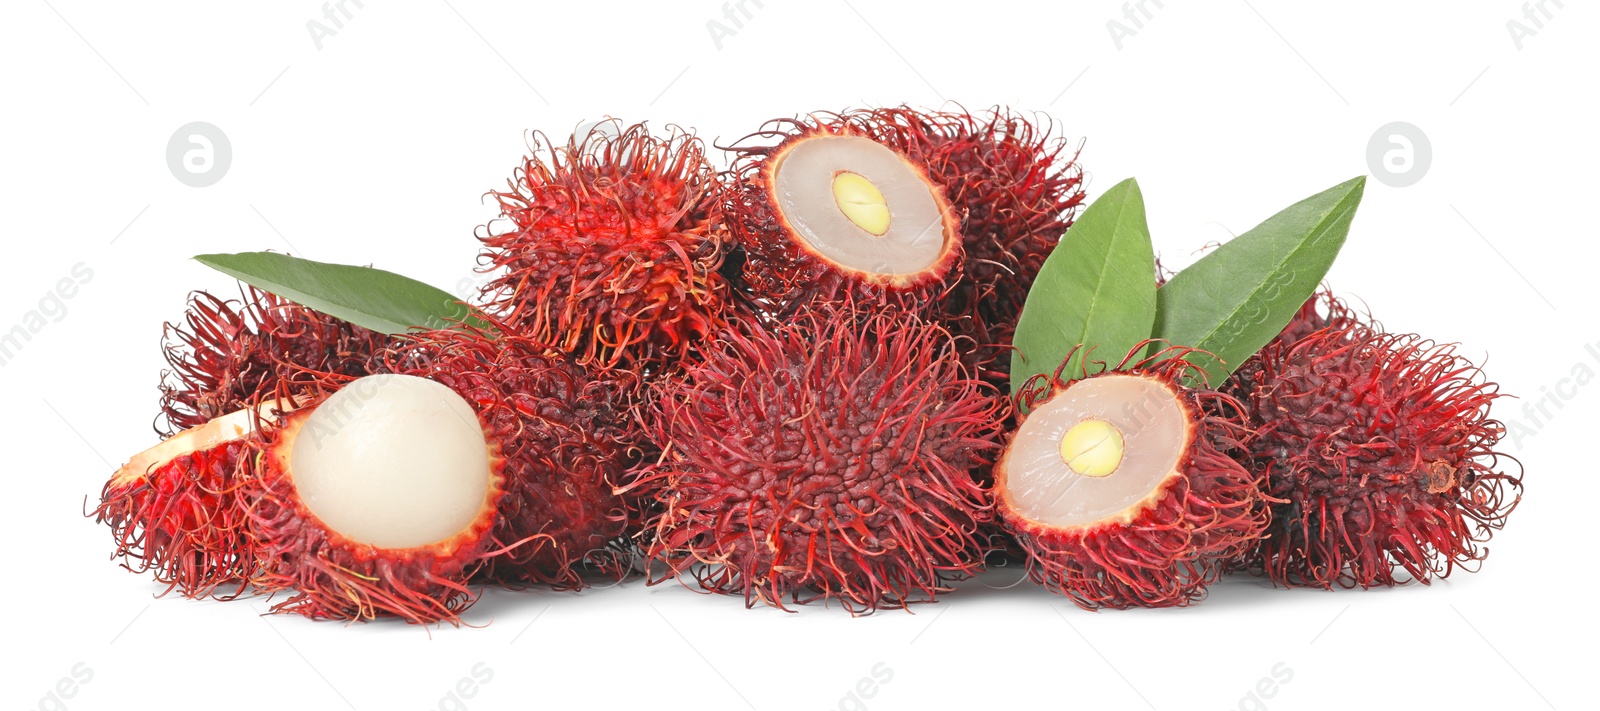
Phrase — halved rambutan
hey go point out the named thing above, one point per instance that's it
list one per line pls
(829, 457)
(615, 248)
(831, 212)
(1016, 185)
(227, 355)
(174, 509)
(1119, 488)
(566, 443)
(378, 500)
(1380, 449)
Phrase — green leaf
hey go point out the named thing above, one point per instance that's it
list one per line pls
(372, 298)
(1097, 289)
(1241, 295)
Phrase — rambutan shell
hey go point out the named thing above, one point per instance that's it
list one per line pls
(176, 509)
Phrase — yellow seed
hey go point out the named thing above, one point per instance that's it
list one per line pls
(861, 202)
(1092, 448)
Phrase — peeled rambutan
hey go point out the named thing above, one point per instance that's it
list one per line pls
(378, 500)
(227, 355)
(1119, 488)
(566, 443)
(829, 457)
(822, 209)
(175, 510)
(1379, 450)
(615, 248)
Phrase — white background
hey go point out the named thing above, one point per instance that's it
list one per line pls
(376, 148)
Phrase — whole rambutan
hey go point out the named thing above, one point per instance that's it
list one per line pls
(377, 500)
(822, 209)
(565, 439)
(226, 355)
(1379, 449)
(614, 249)
(829, 457)
(1118, 485)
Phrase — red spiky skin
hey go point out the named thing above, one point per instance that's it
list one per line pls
(183, 522)
(1322, 311)
(1017, 186)
(566, 446)
(779, 272)
(1166, 550)
(1381, 449)
(178, 508)
(615, 249)
(226, 355)
(329, 576)
(827, 458)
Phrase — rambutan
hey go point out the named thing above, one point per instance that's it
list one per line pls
(1016, 185)
(566, 444)
(378, 500)
(227, 355)
(615, 248)
(1118, 485)
(824, 210)
(1379, 449)
(829, 457)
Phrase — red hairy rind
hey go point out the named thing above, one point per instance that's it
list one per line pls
(777, 269)
(566, 446)
(615, 248)
(828, 458)
(1322, 311)
(1382, 450)
(226, 355)
(329, 576)
(1178, 542)
(183, 521)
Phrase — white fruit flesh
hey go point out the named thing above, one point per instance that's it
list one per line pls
(1102, 480)
(860, 205)
(392, 461)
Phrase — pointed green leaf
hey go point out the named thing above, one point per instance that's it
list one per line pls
(372, 298)
(1240, 295)
(1097, 289)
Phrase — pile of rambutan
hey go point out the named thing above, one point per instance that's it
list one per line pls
(785, 379)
